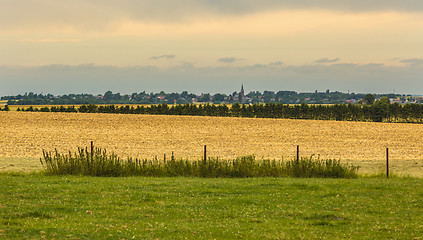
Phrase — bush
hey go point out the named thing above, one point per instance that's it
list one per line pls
(97, 162)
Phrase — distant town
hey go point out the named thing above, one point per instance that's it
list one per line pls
(253, 97)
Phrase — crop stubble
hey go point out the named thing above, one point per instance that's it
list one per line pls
(25, 134)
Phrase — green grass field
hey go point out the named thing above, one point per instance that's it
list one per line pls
(35, 206)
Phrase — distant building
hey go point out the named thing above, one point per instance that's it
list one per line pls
(241, 98)
(241, 95)
(419, 99)
(395, 100)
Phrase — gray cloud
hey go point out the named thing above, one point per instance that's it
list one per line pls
(326, 60)
(275, 63)
(246, 6)
(97, 14)
(257, 66)
(89, 78)
(163, 57)
(413, 60)
(229, 59)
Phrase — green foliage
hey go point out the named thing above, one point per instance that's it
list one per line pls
(380, 111)
(369, 99)
(44, 109)
(99, 163)
(6, 108)
(287, 97)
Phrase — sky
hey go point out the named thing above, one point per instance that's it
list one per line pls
(210, 46)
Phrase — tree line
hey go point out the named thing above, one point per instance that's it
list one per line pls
(380, 111)
(286, 97)
(6, 108)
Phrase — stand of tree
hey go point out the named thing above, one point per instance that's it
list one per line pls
(286, 97)
(6, 108)
(379, 111)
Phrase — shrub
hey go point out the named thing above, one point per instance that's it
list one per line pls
(97, 162)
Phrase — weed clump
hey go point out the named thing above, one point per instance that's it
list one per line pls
(98, 162)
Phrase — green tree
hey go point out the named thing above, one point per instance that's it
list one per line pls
(204, 98)
(369, 99)
(384, 100)
(218, 97)
(108, 96)
(236, 110)
(380, 109)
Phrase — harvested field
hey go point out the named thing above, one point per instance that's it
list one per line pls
(25, 134)
(15, 107)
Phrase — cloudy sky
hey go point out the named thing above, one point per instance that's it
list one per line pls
(91, 46)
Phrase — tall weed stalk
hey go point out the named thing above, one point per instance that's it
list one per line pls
(101, 163)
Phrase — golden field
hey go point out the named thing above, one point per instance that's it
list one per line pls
(15, 107)
(25, 134)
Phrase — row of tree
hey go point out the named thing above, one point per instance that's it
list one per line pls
(286, 97)
(6, 108)
(379, 111)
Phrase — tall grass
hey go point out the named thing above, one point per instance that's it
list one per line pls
(100, 163)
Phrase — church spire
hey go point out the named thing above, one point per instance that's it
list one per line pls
(241, 94)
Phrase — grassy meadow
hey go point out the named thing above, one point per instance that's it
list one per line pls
(26, 134)
(35, 206)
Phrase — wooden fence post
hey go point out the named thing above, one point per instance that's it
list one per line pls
(387, 162)
(298, 153)
(92, 150)
(205, 153)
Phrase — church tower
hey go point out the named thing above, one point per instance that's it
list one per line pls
(241, 94)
